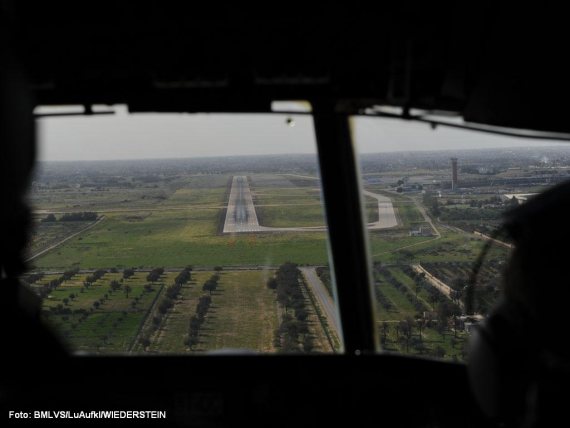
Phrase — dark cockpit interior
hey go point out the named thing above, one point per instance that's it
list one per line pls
(489, 67)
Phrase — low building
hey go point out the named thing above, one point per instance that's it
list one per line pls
(519, 197)
(421, 231)
(469, 322)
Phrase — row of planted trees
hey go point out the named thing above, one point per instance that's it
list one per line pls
(166, 302)
(204, 302)
(293, 333)
(197, 321)
(52, 285)
(407, 333)
(418, 304)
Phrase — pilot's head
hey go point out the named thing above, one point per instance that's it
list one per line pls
(520, 355)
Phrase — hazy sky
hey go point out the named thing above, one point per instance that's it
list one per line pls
(138, 136)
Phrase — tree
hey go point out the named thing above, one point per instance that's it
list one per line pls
(218, 268)
(154, 275)
(49, 219)
(211, 284)
(406, 329)
(192, 341)
(439, 351)
(79, 216)
(127, 273)
(420, 323)
(385, 328)
(194, 324)
(433, 298)
(127, 289)
(145, 342)
(308, 343)
(114, 285)
(301, 314)
(165, 305)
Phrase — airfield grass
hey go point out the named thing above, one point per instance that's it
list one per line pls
(371, 209)
(286, 195)
(177, 239)
(408, 213)
(291, 216)
(49, 233)
(197, 197)
(78, 199)
(189, 236)
(288, 206)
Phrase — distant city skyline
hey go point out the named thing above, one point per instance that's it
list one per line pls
(156, 136)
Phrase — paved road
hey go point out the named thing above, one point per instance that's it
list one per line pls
(323, 297)
(386, 215)
(439, 285)
(496, 241)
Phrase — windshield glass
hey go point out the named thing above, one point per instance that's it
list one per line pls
(176, 233)
(432, 200)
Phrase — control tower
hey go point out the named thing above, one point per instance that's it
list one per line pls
(453, 173)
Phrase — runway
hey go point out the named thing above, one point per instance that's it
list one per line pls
(242, 218)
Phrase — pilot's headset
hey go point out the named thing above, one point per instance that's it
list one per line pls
(519, 356)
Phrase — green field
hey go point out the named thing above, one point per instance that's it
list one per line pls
(175, 221)
(170, 336)
(177, 239)
(111, 325)
(280, 203)
(408, 213)
(244, 313)
(45, 234)
(243, 316)
(427, 336)
(164, 236)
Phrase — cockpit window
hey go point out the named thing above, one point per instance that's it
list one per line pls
(182, 234)
(432, 200)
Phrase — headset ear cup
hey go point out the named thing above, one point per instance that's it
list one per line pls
(499, 366)
(483, 372)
